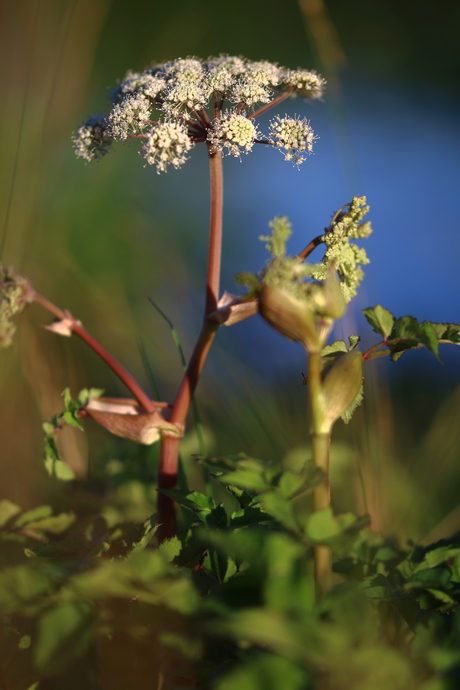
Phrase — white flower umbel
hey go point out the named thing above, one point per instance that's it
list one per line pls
(147, 84)
(187, 101)
(167, 144)
(233, 132)
(129, 116)
(294, 136)
(250, 93)
(92, 140)
(307, 83)
(264, 73)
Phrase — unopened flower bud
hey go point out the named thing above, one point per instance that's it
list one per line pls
(329, 301)
(341, 386)
(290, 316)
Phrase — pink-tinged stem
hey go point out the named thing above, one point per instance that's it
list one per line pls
(276, 101)
(169, 453)
(116, 367)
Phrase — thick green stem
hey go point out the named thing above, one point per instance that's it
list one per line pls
(320, 450)
(169, 453)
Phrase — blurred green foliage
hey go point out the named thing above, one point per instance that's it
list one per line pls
(94, 239)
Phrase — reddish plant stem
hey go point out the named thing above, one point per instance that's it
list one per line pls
(169, 453)
(282, 97)
(116, 367)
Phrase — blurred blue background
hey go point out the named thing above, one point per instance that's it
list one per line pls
(101, 239)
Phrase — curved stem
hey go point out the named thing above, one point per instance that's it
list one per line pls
(169, 453)
(282, 97)
(76, 327)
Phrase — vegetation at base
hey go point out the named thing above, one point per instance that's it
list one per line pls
(230, 601)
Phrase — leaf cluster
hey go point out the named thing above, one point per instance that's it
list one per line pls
(229, 603)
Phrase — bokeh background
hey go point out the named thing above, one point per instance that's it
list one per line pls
(101, 239)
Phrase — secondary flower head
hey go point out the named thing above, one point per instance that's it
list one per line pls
(167, 144)
(186, 101)
(294, 136)
(234, 132)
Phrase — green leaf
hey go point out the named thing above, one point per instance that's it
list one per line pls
(447, 332)
(57, 468)
(265, 672)
(70, 417)
(279, 508)
(194, 501)
(247, 516)
(334, 348)
(86, 393)
(63, 635)
(56, 524)
(323, 527)
(291, 483)
(381, 320)
(170, 549)
(353, 340)
(427, 336)
(32, 515)
(7, 511)
(406, 328)
(67, 397)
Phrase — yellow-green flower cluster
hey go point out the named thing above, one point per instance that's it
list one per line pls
(345, 256)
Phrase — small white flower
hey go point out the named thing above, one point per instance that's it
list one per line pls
(167, 144)
(306, 82)
(222, 71)
(131, 115)
(250, 93)
(92, 140)
(263, 72)
(293, 135)
(146, 83)
(234, 132)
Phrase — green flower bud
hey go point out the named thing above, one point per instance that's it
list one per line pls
(341, 386)
(329, 301)
(290, 316)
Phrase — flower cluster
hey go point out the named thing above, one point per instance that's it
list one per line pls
(293, 135)
(343, 255)
(298, 277)
(180, 103)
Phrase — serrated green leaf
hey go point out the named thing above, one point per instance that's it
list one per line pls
(381, 320)
(447, 332)
(57, 468)
(55, 524)
(32, 515)
(265, 672)
(70, 417)
(198, 503)
(406, 328)
(247, 516)
(170, 549)
(353, 340)
(337, 347)
(64, 633)
(428, 337)
(7, 511)
(86, 393)
(279, 508)
(323, 526)
(67, 397)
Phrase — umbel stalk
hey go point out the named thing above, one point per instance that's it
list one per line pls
(169, 453)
